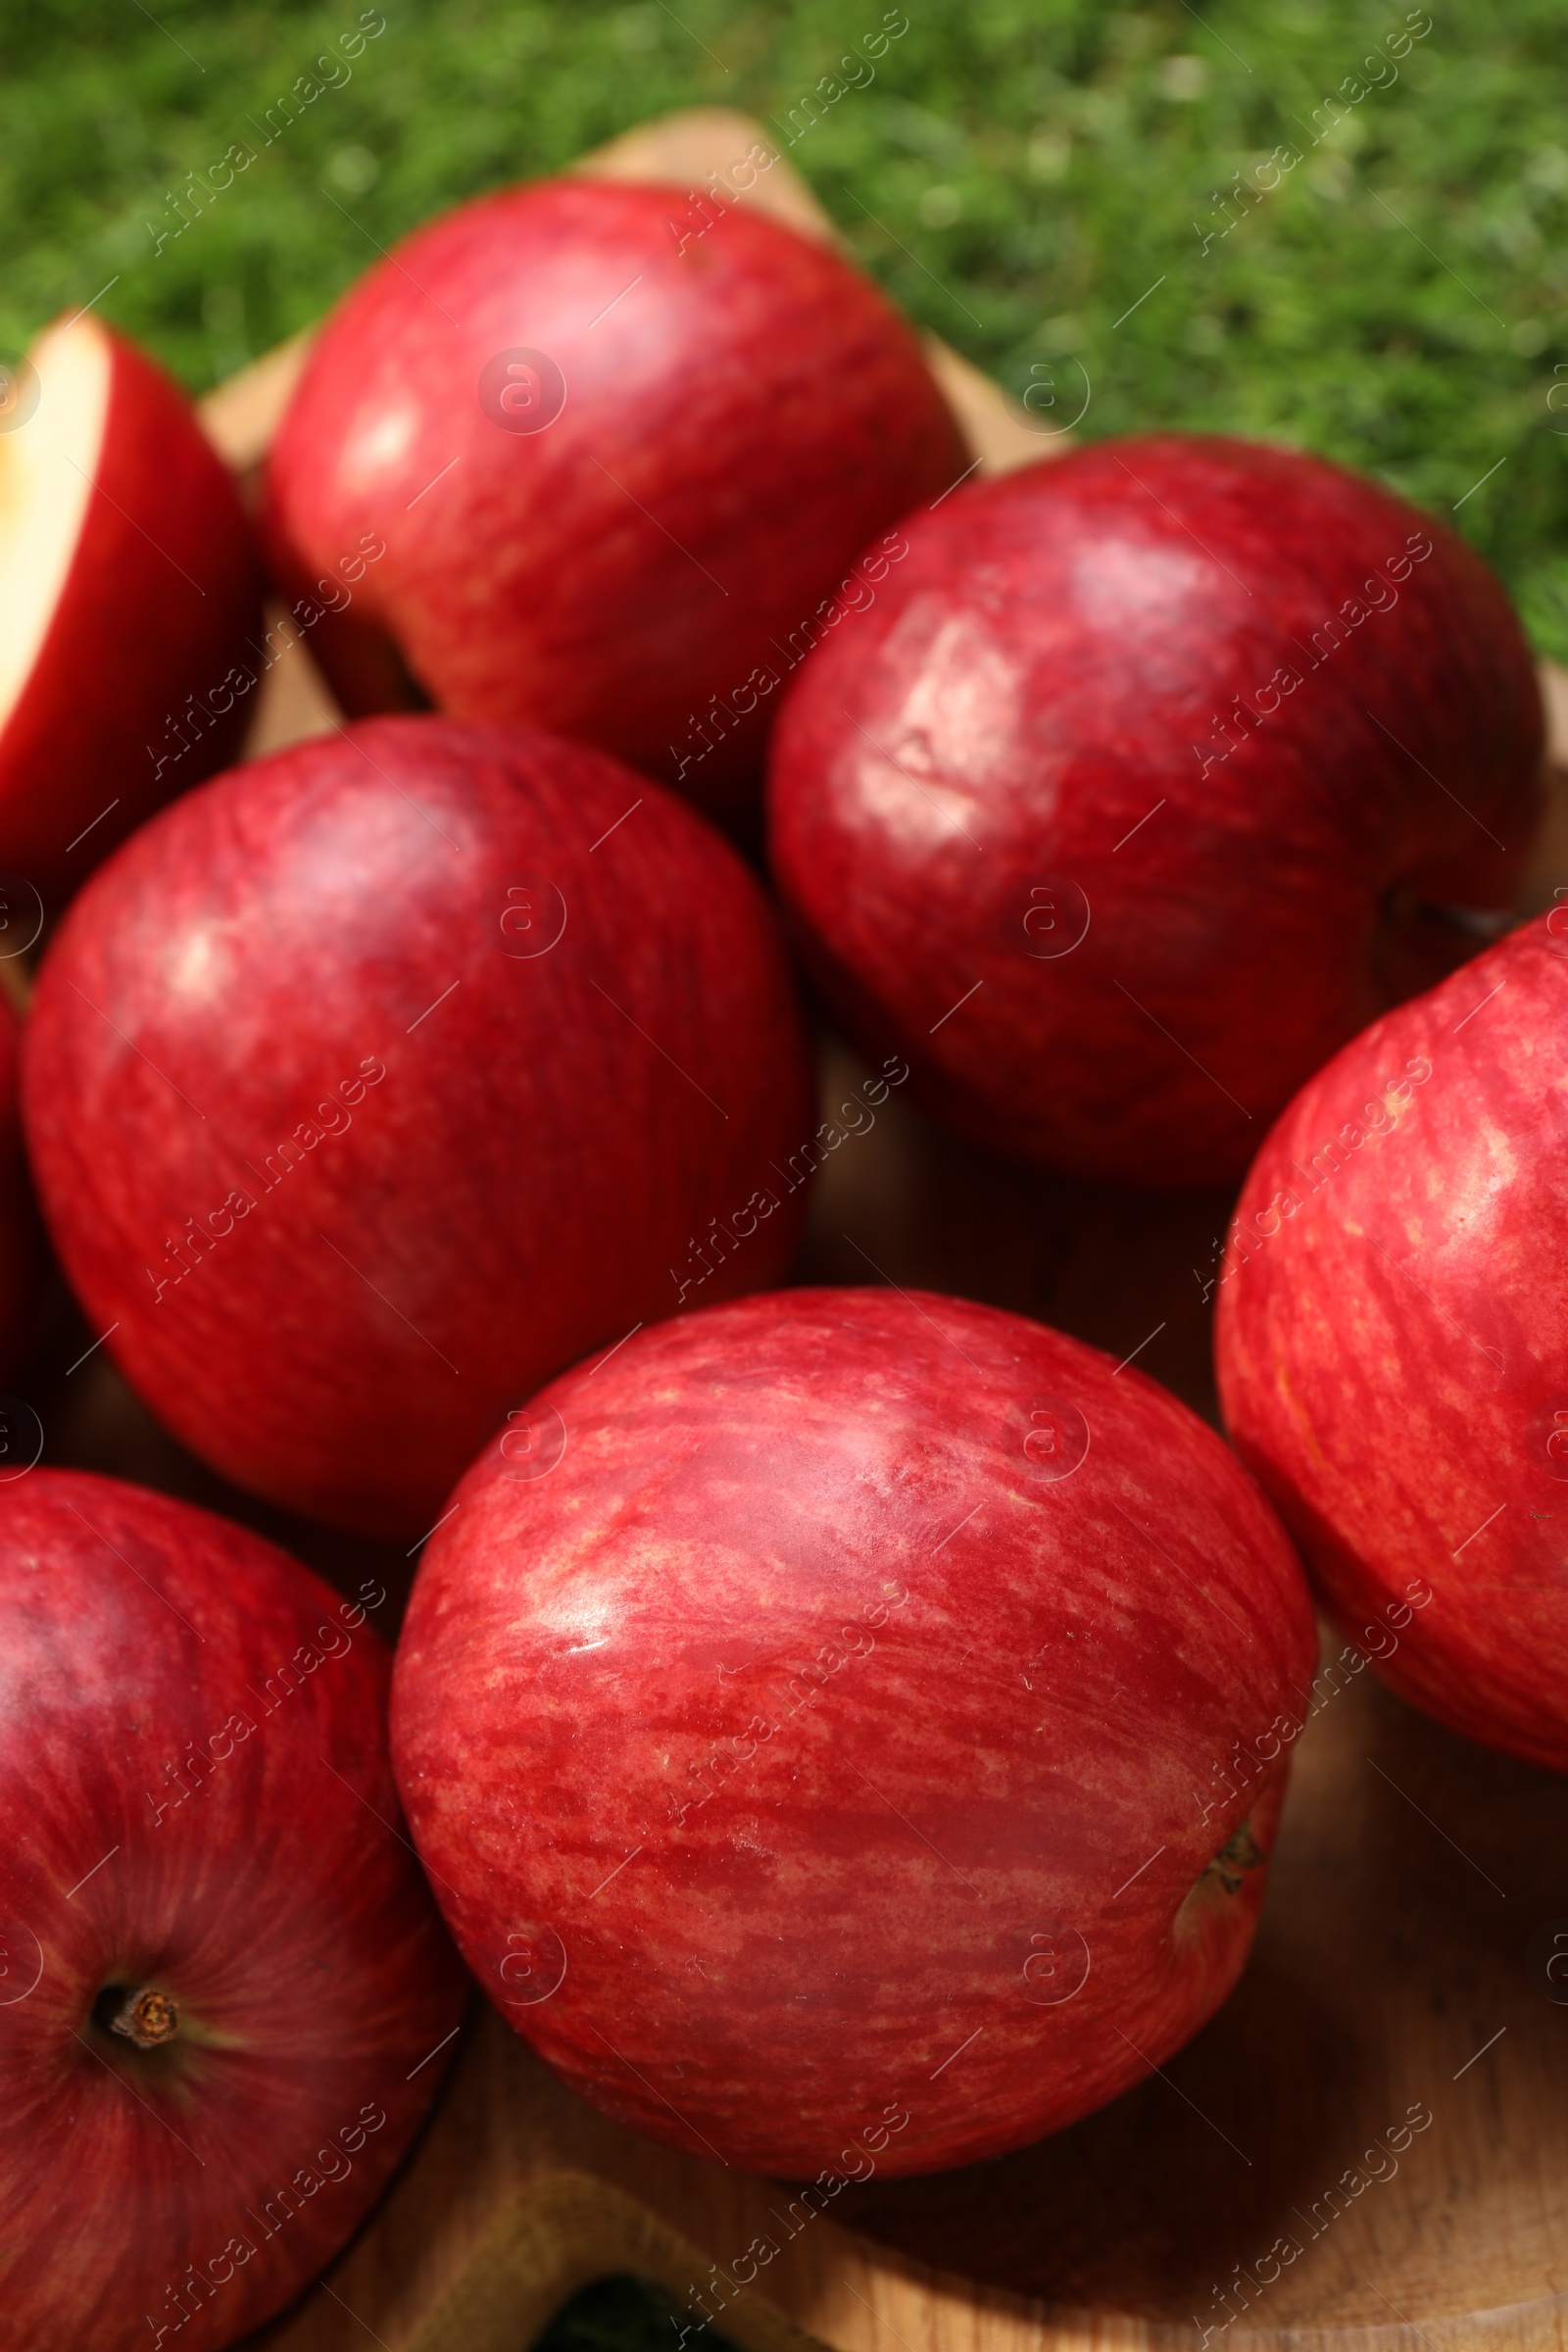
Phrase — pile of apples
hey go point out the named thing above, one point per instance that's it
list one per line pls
(810, 1717)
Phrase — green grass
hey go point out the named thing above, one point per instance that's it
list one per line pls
(1018, 172)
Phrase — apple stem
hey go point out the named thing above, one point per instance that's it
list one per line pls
(148, 2018)
(1240, 1853)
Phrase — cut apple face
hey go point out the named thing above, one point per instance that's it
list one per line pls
(47, 469)
(129, 593)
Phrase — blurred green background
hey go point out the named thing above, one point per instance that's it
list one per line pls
(1018, 172)
(1021, 173)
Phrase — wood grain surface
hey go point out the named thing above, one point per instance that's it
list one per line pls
(1393, 1972)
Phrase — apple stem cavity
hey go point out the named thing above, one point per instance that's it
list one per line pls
(146, 2017)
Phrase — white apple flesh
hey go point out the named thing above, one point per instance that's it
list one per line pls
(128, 598)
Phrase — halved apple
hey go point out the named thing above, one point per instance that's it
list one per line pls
(129, 604)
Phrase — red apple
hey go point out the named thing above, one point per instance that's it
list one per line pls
(128, 602)
(21, 1253)
(622, 445)
(376, 1081)
(224, 1991)
(827, 1753)
(1393, 1341)
(1116, 814)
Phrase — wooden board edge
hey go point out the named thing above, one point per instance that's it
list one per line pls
(565, 2234)
(571, 2227)
(240, 415)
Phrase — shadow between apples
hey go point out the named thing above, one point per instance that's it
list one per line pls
(93, 1420)
(907, 1202)
(1141, 2206)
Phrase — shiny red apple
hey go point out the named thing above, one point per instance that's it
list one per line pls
(623, 445)
(376, 1081)
(817, 1740)
(129, 599)
(1121, 809)
(1393, 1341)
(225, 1994)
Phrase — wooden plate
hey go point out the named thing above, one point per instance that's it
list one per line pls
(1367, 2146)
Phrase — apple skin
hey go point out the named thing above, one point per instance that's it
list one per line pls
(254, 1876)
(1012, 744)
(161, 604)
(742, 415)
(22, 1242)
(1391, 1341)
(780, 1905)
(532, 1170)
